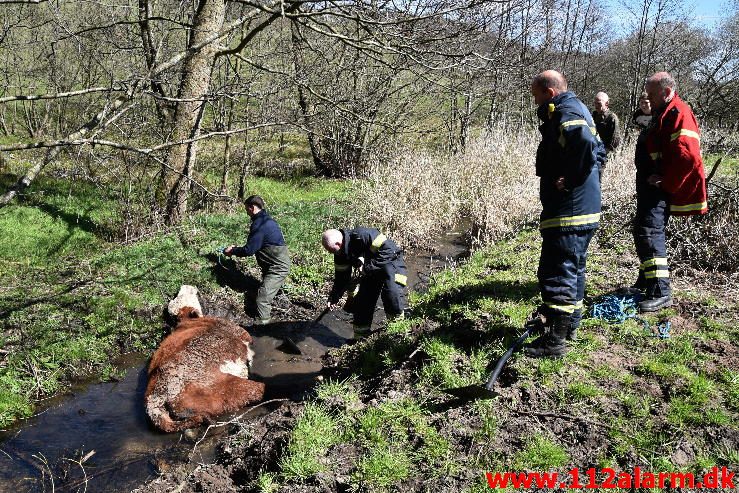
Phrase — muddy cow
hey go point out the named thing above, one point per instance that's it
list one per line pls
(200, 370)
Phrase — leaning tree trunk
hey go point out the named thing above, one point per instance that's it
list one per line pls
(196, 73)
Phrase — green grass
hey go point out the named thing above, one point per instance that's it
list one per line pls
(540, 454)
(72, 299)
(267, 483)
(383, 467)
(577, 391)
(315, 431)
(344, 394)
(672, 361)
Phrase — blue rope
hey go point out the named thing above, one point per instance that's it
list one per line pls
(220, 255)
(662, 330)
(616, 309)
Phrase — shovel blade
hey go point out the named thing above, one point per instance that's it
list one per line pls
(471, 392)
(289, 346)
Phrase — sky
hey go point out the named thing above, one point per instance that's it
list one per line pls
(706, 13)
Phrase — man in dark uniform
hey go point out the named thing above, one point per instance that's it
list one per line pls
(568, 162)
(267, 244)
(648, 198)
(606, 122)
(380, 263)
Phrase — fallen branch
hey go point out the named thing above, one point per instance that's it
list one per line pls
(235, 419)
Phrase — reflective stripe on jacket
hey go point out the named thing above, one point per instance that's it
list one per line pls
(674, 147)
(365, 247)
(569, 147)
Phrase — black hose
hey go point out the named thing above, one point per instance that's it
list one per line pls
(503, 359)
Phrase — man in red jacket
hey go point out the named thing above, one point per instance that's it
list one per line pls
(671, 182)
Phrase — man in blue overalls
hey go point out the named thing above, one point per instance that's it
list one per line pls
(382, 268)
(567, 161)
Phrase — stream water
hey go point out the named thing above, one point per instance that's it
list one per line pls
(96, 438)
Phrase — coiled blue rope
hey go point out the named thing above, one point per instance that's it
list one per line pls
(616, 309)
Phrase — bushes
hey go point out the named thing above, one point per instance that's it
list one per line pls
(418, 194)
(493, 186)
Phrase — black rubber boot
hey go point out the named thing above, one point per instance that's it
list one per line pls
(654, 304)
(554, 342)
(572, 333)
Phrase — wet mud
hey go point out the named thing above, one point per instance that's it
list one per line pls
(97, 437)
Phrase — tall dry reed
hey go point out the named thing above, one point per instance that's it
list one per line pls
(491, 189)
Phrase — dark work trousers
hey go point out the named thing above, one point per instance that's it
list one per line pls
(562, 272)
(652, 214)
(388, 282)
(275, 264)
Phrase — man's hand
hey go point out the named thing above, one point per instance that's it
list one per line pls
(560, 184)
(227, 251)
(654, 180)
(332, 306)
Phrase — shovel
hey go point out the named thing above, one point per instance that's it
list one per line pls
(289, 346)
(486, 391)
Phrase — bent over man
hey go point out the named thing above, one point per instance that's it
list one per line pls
(267, 244)
(381, 266)
(568, 162)
(671, 181)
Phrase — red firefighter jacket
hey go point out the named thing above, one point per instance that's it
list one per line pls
(674, 146)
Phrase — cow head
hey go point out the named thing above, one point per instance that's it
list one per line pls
(186, 304)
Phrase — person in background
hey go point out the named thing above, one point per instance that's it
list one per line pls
(606, 122)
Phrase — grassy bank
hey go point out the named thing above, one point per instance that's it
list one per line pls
(621, 398)
(71, 299)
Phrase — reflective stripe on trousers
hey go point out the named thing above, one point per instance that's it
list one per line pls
(389, 284)
(650, 222)
(561, 270)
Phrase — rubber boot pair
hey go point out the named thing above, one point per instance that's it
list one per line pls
(553, 342)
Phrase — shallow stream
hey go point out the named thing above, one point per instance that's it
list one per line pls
(96, 438)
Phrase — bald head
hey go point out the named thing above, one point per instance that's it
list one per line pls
(660, 89)
(332, 240)
(547, 85)
(601, 102)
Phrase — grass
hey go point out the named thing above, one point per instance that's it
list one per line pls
(540, 454)
(73, 298)
(315, 431)
(633, 392)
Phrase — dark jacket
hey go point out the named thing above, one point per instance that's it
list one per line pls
(608, 129)
(642, 161)
(263, 232)
(569, 147)
(640, 119)
(362, 244)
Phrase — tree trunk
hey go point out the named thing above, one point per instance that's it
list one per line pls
(196, 73)
(306, 109)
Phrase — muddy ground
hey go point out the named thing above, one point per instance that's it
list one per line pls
(230, 455)
(255, 446)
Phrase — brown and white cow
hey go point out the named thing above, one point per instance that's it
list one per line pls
(200, 370)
